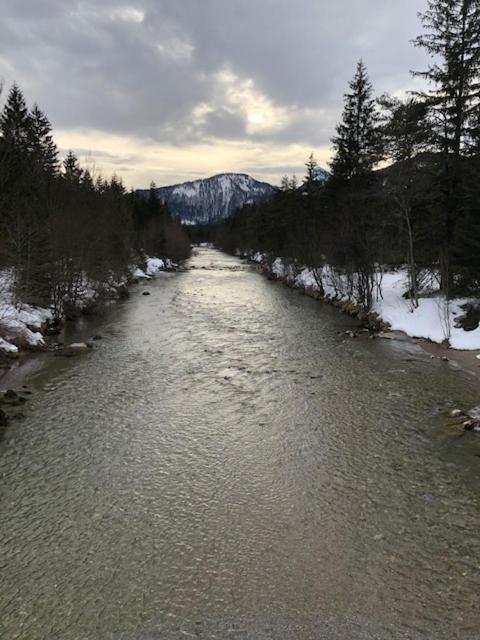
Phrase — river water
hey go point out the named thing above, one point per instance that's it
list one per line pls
(227, 464)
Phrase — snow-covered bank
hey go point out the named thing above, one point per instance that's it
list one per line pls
(23, 327)
(20, 325)
(152, 268)
(436, 319)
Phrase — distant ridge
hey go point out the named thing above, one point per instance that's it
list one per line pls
(212, 199)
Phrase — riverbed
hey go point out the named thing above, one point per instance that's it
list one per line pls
(227, 463)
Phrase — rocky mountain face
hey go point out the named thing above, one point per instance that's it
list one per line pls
(213, 199)
(321, 175)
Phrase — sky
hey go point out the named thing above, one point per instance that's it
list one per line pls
(175, 90)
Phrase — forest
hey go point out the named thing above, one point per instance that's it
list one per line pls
(66, 234)
(405, 178)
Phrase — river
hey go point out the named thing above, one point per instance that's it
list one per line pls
(226, 463)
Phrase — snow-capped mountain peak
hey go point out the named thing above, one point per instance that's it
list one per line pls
(212, 199)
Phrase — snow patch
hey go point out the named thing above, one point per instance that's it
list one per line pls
(434, 319)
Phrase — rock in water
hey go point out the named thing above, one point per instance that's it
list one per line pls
(76, 347)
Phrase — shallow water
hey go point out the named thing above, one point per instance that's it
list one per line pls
(226, 464)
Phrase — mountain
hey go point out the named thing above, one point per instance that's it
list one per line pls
(321, 175)
(212, 199)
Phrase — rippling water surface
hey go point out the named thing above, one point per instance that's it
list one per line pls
(226, 464)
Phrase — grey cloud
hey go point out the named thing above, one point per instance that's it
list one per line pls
(98, 65)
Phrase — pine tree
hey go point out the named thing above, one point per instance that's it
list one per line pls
(357, 143)
(72, 170)
(452, 38)
(14, 120)
(311, 164)
(42, 146)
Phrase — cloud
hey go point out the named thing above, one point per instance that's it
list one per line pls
(183, 77)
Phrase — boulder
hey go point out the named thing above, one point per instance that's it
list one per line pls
(386, 335)
(18, 334)
(146, 293)
(470, 320)
(11, 398)
(75, 347)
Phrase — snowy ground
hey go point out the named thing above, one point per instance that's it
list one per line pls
(434, 319)
(154, 266)
(21, 325)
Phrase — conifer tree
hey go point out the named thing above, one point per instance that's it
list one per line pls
(14, 120)
(357, 143)
(452, 38)
(42, 145)
(72, 170)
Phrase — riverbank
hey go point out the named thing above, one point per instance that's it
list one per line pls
(27, 333)
(433, 326)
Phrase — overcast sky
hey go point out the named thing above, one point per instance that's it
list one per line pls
(170, 90)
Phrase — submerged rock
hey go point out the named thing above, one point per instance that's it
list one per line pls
(77, 346)
(146, 293)
(11, 398)
(465, 420)
(73, 349)
(386, 335)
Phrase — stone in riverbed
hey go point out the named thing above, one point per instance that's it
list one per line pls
(77, 346)
(11, 398)
(74, 348)
(3, 419)
(146, 293)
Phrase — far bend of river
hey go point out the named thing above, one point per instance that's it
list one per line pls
(226, 464)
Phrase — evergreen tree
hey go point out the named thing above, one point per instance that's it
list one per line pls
(452, 38)
(310, 179)
(357, 143)
(72, 170)
(15, 120)
(42, 146)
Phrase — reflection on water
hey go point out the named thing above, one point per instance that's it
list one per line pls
(225, 463)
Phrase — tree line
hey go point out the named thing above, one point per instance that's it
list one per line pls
(65, 233)
(405, 177)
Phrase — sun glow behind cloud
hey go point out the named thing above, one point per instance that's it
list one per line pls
(241, 96)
